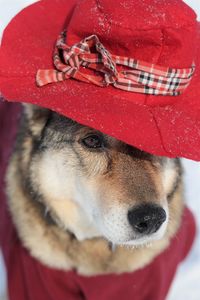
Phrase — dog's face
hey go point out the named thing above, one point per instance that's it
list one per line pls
(97, 185)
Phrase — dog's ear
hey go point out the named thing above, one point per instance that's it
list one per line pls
(36, 117)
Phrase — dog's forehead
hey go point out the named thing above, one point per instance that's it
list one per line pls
(63, 124)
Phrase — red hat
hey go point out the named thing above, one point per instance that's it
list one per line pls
(130, 69)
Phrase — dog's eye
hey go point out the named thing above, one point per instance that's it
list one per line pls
(93, 141)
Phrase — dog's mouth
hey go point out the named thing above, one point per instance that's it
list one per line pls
(145, 241)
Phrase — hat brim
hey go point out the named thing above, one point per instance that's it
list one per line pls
(161, 125)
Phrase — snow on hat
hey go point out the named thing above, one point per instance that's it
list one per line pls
(130, 69)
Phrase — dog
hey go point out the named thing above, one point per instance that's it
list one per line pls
(93, 216)
(83, 200)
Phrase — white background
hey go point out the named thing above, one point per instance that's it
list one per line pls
(187, 283)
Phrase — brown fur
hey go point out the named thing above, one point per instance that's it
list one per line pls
(111, 174)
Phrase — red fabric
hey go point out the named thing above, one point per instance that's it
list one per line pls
(165, 33)
(30, 280)
(103, 69)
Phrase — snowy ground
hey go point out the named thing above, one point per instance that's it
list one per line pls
(187, 283)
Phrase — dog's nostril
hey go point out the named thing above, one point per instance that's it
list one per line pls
(141, 227)
(147, 218)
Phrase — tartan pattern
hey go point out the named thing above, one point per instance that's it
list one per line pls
(139, 76)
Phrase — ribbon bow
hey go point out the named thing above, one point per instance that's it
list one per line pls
(89, 61)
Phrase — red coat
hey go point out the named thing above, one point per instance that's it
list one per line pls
(30, 280)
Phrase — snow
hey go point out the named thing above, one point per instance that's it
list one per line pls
(187, 282)
(186, 285)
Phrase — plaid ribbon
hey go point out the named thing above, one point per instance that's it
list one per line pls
(138, 76)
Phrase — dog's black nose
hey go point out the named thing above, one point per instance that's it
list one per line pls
(146, 218)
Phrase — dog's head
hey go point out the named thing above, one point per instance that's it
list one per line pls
(94, 184)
